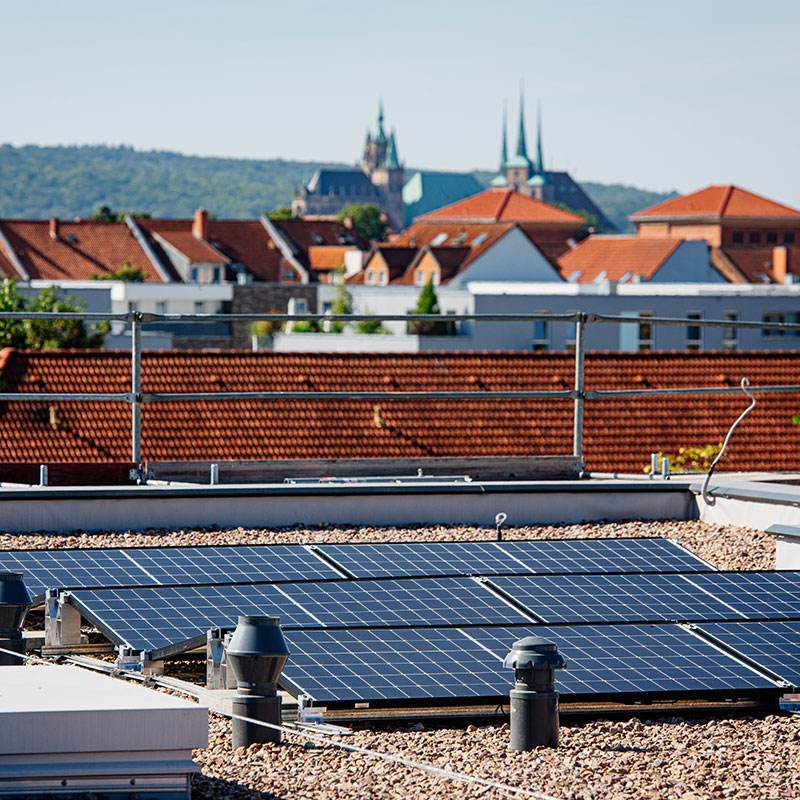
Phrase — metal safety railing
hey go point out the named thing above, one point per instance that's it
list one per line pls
(578, 394)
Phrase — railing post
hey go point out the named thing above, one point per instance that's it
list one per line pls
(136, 389)
(577, 427)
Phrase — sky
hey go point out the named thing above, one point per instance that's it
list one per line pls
(658, 95)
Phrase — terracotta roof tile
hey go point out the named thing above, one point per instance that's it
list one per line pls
(502, 205)
(80, 251)
(718, 203)
(620, 435)
(190, 246)
(616, 256)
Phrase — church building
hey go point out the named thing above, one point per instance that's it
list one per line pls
(378, 179)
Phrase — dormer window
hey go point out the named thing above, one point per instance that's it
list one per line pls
(288, 274)
(420, 278)
(384, 278)
(317, 239)
(370, 278)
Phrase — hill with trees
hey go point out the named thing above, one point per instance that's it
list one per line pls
(42, 182)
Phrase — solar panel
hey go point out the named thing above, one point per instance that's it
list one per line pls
(95, 568)
(754, 595)
(512, 557)
(232, 564)
(411, 602)
(614, 598)
(390, 665)
(50, 569)
(150, 618)
(775, 646)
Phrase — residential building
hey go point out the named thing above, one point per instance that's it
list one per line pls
(378, 179)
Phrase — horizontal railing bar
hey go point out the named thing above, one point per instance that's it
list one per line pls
(147, 317)
(150, 397)
(52, 397)
(592, 394)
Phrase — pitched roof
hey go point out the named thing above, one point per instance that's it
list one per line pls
(327, 258)
(197, 250)
(755, 263)
(717, 203)
(79, 251)
(619, 434)
(502, 205)
(344, 181)
(616, 256)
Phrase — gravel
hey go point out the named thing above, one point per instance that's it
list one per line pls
(670, 758)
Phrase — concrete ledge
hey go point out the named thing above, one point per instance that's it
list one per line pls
(65, 509)
(749, 504)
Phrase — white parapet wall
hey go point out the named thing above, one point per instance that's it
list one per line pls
(65, 731)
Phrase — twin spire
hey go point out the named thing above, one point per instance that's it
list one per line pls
(521, 159)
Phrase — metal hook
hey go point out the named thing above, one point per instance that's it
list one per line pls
(744, 384)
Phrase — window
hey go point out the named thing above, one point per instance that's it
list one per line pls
(288, 274)
(738, 237)
(194, 273)
(420, 278)
(694, 333)
(788, 238)
(730, 336)
(480, 239)
(370, 278)
(133, 305)
(754, 237)
(645, 342)
(161, 307)
(541, 334)
(383, 278)
(199, 307)
(772, 238)
(780, 318)
(300, 305)
(215, 275)
(318, 239)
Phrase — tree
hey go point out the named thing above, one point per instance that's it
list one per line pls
(125, 273)
(284, 212)
(343, 304)
(428, 303)
(368, 221)
(46, 334)
(106, 214)
(374, 325)
(592, 224)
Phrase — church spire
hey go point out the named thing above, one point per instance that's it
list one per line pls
(522, 148)
(380, 134)
(539, 152)
(504, 150)
(392, 161)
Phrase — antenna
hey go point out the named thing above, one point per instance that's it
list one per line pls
(745, 383)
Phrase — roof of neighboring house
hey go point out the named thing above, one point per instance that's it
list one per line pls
(502, 205)
(616, 256)
(755, 263)
(345, 181)
(196, 250)
(327, 258)
(619, 436)
(81, 250)
(717, 203)
(308, 233)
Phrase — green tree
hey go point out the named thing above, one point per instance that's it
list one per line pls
(370, 326)
(592, 224)
(46, 334)
(125, 273)
(106, 214)
(284, 212)
(428, 303)
(368, 221)
(343, 304)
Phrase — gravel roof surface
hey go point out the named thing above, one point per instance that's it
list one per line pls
(671, 758)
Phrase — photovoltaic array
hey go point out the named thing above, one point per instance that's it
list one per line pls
(431, 622)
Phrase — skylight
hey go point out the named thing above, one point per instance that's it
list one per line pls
(440, 238)
(480, 239)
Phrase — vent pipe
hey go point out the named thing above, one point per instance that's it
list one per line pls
(534, 703)
(14, 604)
(257, 654)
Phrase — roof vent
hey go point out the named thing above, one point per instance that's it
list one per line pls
(54, 226)
(575, 276)
(572, 243)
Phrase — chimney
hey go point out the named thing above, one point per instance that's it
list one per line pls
(54, 227)
(200, 224)
(780, 264)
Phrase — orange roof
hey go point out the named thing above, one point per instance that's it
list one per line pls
(502, 205)
(325, 258)
(187, 244)
(717, 203)
(79, 251)
(755, 263)
(616, 256)
(620, 434)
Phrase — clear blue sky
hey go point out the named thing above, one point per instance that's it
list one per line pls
(659, 95)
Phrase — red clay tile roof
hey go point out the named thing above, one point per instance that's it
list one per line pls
(751, 261)
(83, 249)
(326, 258)
(620, 434)
(194, 249)
(717, 203)
(502, 205)
(616, 256)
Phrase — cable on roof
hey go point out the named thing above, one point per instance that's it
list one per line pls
(511, 791)
(744, 384)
